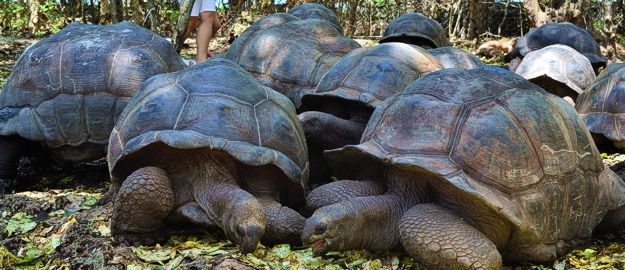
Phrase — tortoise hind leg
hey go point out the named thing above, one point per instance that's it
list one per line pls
(440, 239)
(284, 225)
(11, 149)
(142, 203)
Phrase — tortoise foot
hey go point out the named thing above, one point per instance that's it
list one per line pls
(159, 236)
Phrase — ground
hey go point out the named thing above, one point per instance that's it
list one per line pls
(58, 224)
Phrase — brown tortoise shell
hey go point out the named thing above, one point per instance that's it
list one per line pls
(68, 89)
(316, 11)
(416, 25)
(558, 63)
(564, 33)
(600, 105)
(288, 54)
(369, 75)
(451, 57)
(218, 106)
(501, 143)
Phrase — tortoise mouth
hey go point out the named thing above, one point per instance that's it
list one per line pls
(320, 247)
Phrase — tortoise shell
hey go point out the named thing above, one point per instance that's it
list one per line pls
(316, 11)
(288, 54)
(564, 33)
(559, 64)
(70, 88)
(503, 143)
(600, 105)
(451, 57)
(369, 75)
(418, 29)
(218, 106)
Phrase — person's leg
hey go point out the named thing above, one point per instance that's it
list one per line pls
(191, 26)
(204, 34)
(209, 24)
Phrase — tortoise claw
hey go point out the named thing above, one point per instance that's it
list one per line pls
(159, 236)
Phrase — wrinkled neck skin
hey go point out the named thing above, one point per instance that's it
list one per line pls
(216, 188)
(334, 128)
(367, 222)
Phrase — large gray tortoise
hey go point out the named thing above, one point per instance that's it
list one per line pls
(316, 11)
(564, 33)
(559, 69)
(451, 57)
(416, 29)
(66, 91)
(288, 54)
(337, 112)
(602, 107)
(480, 165)
(208, 144)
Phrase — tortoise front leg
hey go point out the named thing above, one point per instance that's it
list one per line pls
(11, 149)
(335, 192)
(144, 200)
(284, 225)
(440, 239)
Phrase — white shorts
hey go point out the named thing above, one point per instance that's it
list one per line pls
(201, 6)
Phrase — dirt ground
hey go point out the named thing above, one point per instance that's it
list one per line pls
(55, 222)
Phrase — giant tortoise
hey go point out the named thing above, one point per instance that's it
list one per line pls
(288, 54)
(417, 29)
(564, 33)
(316, 11)
(559, 69)
(66, 91)
(480, 165)
(601, 106)
(210, 145)
(337, 112)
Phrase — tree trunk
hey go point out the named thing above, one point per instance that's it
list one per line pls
(116, 8)
(608, 30)
(474, 21)
(154, 15)
(177, 37)
(536, 15)
(351, 21)
(105, 13)
(35, 18)
(137, 12)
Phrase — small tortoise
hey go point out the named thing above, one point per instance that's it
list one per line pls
(564, 33)
(288, 54)
(480, 165)
(451, 57)
(66, 91)
(601, 107)
(337, 112)
(316, 11)
(414, 28)
(208, 144)
(558, 69)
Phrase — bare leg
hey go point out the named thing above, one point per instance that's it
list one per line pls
(284, 225)
(143, 202)
(205, 32)
(440, 239)
(190, 27)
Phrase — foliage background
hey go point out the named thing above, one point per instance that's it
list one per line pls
(463, 19)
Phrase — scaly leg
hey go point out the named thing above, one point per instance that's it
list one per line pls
(440, 239)
(142, 203)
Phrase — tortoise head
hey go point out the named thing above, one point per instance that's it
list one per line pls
(245, 223)
(330, 228)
